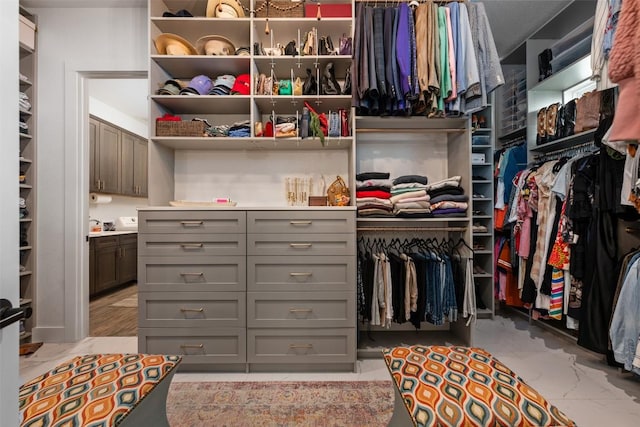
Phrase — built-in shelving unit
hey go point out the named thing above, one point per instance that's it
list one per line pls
(483, 143)
(27, 186)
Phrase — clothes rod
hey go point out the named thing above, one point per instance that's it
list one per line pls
(396, 229)
(410, 130)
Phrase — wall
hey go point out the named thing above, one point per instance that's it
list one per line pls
(113, 116)
(9, 282)
(71, 40)
(119, 206)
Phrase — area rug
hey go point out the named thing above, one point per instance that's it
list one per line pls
(131, 302)
(300, 404)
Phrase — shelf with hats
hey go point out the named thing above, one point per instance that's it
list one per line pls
(186, 67)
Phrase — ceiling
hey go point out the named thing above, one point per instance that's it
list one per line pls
(129, 96)
(511, 21)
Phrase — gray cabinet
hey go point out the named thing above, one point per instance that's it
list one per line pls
(133, 165)
(192, 287)
(269, 290)
(112, 262)
(118, 160)
(301, 309)
(108, 158)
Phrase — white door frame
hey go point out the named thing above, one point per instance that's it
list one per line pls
(76, 197)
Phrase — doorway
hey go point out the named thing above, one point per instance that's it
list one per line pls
(117, 112)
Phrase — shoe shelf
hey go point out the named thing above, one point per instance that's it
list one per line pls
(482, 209)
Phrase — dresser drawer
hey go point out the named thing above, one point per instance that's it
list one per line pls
(192, 309)
(191, 244)
(301, 222)
(320, 273)
(197, 346)
(219, 273)
(301, 244)
(185, 221)
(292, 346)
(301, 309)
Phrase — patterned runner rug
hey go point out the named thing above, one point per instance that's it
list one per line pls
(326, 404)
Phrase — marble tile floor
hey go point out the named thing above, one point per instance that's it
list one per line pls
(577, 381)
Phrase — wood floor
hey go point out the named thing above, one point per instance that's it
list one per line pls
(106, 320)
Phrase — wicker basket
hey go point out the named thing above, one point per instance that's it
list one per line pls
(279, 9)
(184, 128)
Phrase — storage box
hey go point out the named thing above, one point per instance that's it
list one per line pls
(337, 10)
(477, 158)
(27, 33)
(183, 128)
(317, 200)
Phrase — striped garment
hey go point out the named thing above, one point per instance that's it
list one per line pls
(557, 292)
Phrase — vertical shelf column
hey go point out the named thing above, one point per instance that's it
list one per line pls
(27, 177)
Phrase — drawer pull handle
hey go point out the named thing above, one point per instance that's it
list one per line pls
(185, 346)
(191, 223)
(197, 310)
(300, 310)
(298, 346)
(300, 222)
(193, 274)
(191, 245)
(300, 245)
(293, 274)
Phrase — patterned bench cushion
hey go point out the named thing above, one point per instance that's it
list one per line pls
(462, 386)
(94, 390)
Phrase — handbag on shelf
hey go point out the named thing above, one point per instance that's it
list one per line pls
(588, 111)
(290, 49)
(297, 86)
(284, 87)
(552, 122)
(541, 133)
(310, 86)
(345, 45)
(338, 193)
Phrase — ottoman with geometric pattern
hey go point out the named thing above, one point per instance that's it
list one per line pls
(462, 386)
(100, 390)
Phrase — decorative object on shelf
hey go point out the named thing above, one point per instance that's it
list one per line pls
(279, 9)
(551, 126)
(297, 190)
(173, 44)
(318, 126)
(285, 88)
(215, 45)
(297, 86)
(541, 137)
(338, 193)
(224, 9)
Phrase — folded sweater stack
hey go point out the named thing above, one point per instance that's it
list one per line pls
(373, 193)
(448, 198)
(409, 197)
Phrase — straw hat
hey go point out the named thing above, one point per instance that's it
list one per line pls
(215, 45)
(173, 44)
(224, 9)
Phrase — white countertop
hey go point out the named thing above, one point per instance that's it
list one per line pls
(112, 233)
(247, 208)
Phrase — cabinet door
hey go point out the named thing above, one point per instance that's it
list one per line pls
(128, 262)
(106, 267)
(92, 267)
(127, 165)
(109, 158)
(93, 155)
(140, 160)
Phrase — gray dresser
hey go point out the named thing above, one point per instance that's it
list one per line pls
(262, 290)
